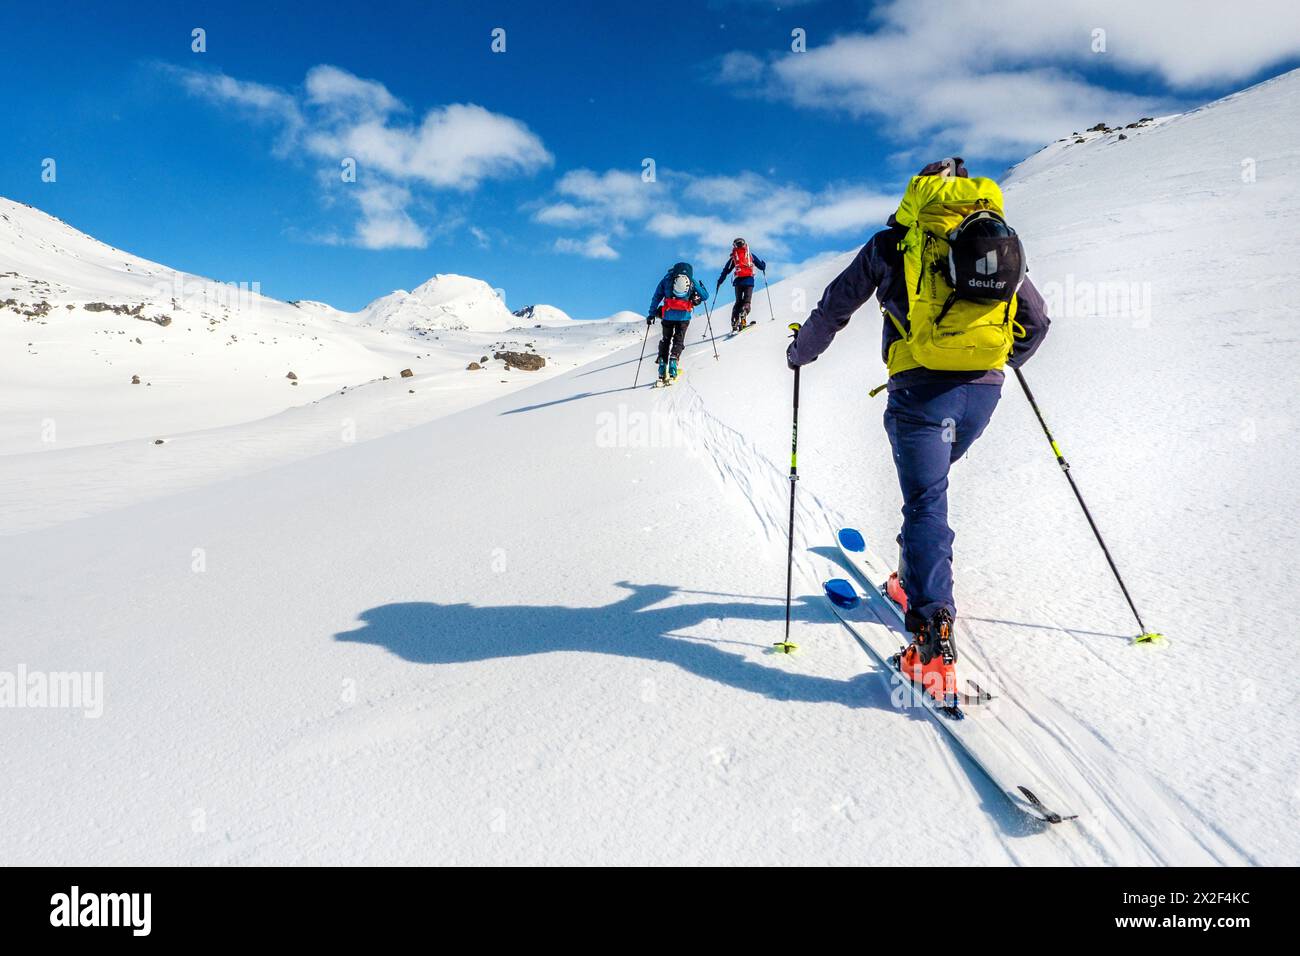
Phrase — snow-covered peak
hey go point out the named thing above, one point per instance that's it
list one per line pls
(546, 316)
(445, 302)
(626, 315)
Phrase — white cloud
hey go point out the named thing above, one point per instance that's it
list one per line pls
(265, 101)
(564, 214)
(969, 77)
(385, 222)
(454, 147)
(1187, 43)
(704, 213)
(593, 247)
(613, 196)
(849, 210)
(339, 115)
(740, 67)
(348, 95)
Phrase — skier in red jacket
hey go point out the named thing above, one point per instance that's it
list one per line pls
(743, 262)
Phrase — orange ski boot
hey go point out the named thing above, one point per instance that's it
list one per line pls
(894, 591)
(930, 661)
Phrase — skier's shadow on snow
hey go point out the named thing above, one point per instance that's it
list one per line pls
(577, 398)
(427, 633)
(423, 632)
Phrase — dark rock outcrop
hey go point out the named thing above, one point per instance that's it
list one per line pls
(527, 361)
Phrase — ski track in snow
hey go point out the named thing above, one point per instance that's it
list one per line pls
(1113, 826)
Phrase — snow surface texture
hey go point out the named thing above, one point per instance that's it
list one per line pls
(538, 630)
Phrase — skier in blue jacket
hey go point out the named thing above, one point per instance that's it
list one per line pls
(932, 418)
(678, 293)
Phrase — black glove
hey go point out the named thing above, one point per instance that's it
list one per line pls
(696, 298)
(790, 359)
(650, 319)
(718, 285)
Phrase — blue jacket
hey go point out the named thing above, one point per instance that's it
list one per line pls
(665, 291)
(759, 264)
(878, 270)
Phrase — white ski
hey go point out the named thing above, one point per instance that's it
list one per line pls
(877, 624)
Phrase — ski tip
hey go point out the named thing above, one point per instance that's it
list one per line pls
(841, 593)
(1041, 811)
(851, 540)
(1149, 637)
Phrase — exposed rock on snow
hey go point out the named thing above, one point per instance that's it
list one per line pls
(527, 361)
(115, 309)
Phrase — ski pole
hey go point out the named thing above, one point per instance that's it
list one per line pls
(708, 317)
(637, 376)
(768, 290)
(1145, 637)
(787, 646)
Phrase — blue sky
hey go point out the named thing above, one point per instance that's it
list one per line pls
(525, 167)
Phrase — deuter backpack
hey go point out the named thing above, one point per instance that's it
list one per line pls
(963, 265)
(682, 295)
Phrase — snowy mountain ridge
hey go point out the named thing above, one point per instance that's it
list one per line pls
(445, 302)
(44, 256)
(108, 346)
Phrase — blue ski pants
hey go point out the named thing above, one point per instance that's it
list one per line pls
(930, 426)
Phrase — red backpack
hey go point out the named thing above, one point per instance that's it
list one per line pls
(744, 262)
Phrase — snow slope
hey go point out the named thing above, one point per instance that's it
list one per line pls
(537, 630)
(244, 380)
(79, 318)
